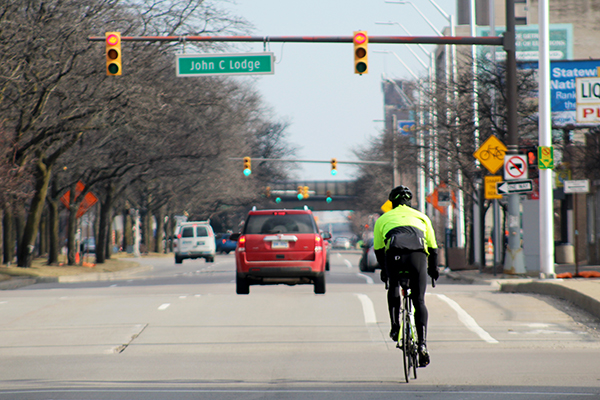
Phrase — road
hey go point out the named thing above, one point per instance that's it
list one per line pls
(181, 332)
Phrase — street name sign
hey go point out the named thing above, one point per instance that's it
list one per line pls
(579, 186)
(510, 187)
(491, 154)
(193, 65)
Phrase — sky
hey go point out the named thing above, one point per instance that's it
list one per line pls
(330, 110)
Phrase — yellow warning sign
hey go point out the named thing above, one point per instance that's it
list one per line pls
(491, 154)
(387, 206)
(491, 193)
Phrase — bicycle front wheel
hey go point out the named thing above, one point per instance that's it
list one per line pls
(406, 344)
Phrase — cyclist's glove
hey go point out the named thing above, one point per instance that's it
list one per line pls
(383, 275)
(432, 263)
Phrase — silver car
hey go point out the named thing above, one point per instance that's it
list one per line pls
(368, 261)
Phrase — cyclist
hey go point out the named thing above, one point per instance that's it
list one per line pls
(404, 245)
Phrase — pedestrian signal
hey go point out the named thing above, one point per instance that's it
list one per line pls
(361, 40)
(113, 53)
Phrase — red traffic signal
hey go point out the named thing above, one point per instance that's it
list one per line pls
(360, 40)
(113, 53)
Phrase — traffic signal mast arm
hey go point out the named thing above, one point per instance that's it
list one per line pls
(315, 161)
(460, 40)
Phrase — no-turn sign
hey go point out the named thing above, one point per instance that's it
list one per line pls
(515, 167)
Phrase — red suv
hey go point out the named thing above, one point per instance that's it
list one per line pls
(280, 246)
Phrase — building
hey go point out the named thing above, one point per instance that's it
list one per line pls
(573, 34)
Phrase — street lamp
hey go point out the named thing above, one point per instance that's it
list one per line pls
(399, 59)
(450, 19)
(419, 138)
(432, 159)
(421, 13)
(406, 44)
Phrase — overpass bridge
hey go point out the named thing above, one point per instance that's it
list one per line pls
(284, 194)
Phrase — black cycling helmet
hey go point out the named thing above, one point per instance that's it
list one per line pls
(400, 195)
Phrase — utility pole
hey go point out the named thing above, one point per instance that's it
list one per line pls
(545, 139)
(514, 261)
(395, 172)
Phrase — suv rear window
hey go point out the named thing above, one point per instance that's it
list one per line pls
(280, 223)
(201, 231)
(187, 232)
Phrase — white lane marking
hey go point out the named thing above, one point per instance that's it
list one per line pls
(164, 306)
(367, 278)
(115, 285)
(471, 393)
(368, 308)
(467, 320)
(348, 263)
(183, 297)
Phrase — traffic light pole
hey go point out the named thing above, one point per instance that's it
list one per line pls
(441, 40)
(514, 261)
(515, 258)
(315, 161)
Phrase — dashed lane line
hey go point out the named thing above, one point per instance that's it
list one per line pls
(368, 308)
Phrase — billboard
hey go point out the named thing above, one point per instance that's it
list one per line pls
(527, 36)
(563, 87)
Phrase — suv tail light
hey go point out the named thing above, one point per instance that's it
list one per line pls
(242, 243)
(318, 243)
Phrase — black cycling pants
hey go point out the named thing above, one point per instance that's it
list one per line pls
(413, 264)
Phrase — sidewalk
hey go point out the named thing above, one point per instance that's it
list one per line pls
(583, 292)
(17, 282)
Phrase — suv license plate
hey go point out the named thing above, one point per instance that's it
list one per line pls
(280, 244)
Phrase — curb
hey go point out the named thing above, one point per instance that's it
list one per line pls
(16, 283)
(19, 282)
(582, 300)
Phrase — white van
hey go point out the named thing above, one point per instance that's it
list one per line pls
(194, 239)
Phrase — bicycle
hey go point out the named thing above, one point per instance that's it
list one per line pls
(495, 152)
(407, 337)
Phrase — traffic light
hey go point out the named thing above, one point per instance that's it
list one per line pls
(305, 192)
(532, 157)
(247, 166)
(278, 200)
(300, 195)
(328, 198)
(113, 53)
(361, 40)
(333, 166)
